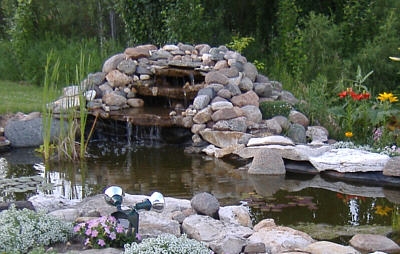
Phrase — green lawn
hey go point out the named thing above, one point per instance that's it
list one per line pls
(16, 97)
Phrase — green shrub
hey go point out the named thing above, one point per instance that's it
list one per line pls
(22, 230)
(167, 243)
(270, 109)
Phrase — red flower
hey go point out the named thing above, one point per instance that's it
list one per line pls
(342, 94)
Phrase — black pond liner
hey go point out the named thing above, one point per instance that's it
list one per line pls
(374, 178)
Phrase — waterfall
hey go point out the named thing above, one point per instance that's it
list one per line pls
(128, 132)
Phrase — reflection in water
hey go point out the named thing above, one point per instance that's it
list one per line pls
(167, 169)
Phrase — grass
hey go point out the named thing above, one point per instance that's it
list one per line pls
(18, 97)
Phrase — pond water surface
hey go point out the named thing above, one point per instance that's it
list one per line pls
(142, 169)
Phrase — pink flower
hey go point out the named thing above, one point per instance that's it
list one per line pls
(120, 228)
(95, 233)
(101, 242)
(78, 227)
(88, 231)
(107, 229)
(87, 241)
(113, 236)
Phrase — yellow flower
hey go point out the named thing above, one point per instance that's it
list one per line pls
(383, 211)
(387, 97)
(393, 99)
(349, 134)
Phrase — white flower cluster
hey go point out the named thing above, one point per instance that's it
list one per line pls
(390, 151)
(167, 243)
(21, 230)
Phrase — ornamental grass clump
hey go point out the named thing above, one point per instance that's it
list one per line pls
(23, 230)
(167, 243)
(103, 232)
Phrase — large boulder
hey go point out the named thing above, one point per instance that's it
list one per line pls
(29, 133)
(279, 239)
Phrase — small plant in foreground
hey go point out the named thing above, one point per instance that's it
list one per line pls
(167, 243)
(22, 230)
(103, 232)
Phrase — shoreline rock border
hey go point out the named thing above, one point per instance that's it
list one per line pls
(226, 229)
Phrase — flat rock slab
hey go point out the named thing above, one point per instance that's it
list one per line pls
(347, 160)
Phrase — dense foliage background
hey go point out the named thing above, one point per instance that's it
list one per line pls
(316, 48)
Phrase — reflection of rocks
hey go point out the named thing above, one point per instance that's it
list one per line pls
(267, 185)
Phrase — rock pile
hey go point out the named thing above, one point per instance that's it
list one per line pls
(225, 229)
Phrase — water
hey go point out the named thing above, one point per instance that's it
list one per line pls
(142, 169)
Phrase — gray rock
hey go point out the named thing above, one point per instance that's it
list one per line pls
(135, 102)
(152, 224)
(196, 128)
(216, 77)
(261, 79)
(267, 162)
(297, 133)
(116, 78)
(202, 48)
(273, 126)
(234, 124)
(263, 89)
(201, 101)
(252, 113)
(271, 140)
(221, 237)
(114, 99)
(392, 167)
(248, 98)
(203, 116)
(245, 84)
(250, 71)
(112, 63)
(227, 113)
(225, 138)
(222, 64)
(288, 97)
(140, 51)
(324, 247)
(69, 214)
(349, 160)
(234, 89)
(29, 133)
(236, 215)
(317, 134)
(370, 243)
(297, 117)
(207, 91)
(143, 69)
(206, 204)
(127, 66)
(94, 79)
(225, 93)
(160, 54)
(221, 105)
(230, 72)
(279, 239)
(282, 121)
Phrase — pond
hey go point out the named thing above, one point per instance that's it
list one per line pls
(143, 167)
